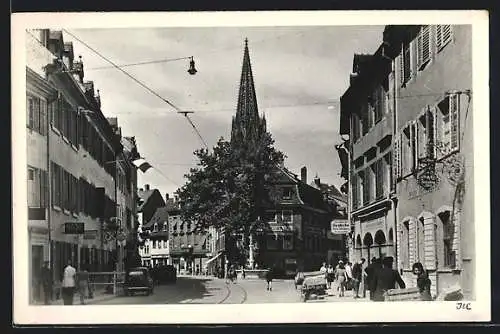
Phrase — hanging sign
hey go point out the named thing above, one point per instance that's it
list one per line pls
(340, 226)
(74, 228)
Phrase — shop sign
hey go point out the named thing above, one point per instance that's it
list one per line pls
(90, 235)
(340, 226)
(74, 228)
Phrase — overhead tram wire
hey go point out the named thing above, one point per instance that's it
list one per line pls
(140, 83)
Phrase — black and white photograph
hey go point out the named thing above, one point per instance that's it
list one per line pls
(250, 167)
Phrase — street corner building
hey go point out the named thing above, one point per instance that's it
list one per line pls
(408, 116)
(81, 179)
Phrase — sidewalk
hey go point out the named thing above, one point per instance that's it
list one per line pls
(333, 297)
(99, 296)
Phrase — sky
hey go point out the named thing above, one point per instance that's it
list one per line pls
(300, 73)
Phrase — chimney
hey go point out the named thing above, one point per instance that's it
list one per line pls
(98, 99)
(317, 181)
(167, 197)
(68, 55)
(146, 187)
(78, 69)
(176, 197)
(303, 174)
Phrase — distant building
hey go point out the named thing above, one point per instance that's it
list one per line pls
(367, 118)
(156, 249)
(188, 245)
(148, 200)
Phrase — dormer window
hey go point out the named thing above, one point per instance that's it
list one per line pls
(155, 228)
(287, 193)
(165, 226)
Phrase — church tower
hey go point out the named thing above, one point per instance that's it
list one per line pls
(247, 125)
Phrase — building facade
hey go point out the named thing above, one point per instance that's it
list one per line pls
(71, 154)
(433, 164)
(367, 119)
(423, 135)
(156, 249)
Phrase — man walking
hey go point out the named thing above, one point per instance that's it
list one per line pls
(357, 276)
(68, 284)
(372, 268)
(386, 279)
(46, 277)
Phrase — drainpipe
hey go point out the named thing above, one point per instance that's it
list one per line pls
(394, 132)
(49, 199)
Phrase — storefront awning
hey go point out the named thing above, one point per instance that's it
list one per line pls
(212, 259)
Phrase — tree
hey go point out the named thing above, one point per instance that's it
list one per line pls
(230, 188)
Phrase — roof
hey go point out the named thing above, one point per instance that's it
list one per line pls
(172, 206)
(160, 217)
(144, 196)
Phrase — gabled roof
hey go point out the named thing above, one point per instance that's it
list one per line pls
(144, 196)
(160, 217)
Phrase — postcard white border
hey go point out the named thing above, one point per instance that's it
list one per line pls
(253, 313)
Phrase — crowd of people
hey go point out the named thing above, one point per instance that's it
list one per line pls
(377, 278)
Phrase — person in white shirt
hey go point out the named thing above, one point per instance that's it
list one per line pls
(323, 268)
(68, 284)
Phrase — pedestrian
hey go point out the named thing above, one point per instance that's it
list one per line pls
(423, 281)
(375, 265)
(269, 279)
(385, 279)
(348, 271)
(68, 284)
(46, 282)
(323, 268)
(341, 278)
(330, 273)
(243, 274)
(83, 284)
(357, 276)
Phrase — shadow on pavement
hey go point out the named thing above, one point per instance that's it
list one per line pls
(192, 289)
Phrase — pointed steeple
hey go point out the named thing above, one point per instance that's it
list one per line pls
(247, 124)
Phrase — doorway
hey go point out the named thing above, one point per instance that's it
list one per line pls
(36, 266)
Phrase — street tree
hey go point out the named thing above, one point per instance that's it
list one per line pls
(231, 187)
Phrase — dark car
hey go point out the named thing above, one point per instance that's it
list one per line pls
(167, 274)
(138, 280)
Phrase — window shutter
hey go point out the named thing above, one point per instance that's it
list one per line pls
(423, 46)
(443, 36)
(454, 122)
(396, 166)
(401, 67)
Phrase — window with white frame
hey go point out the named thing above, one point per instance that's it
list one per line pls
(160, 244)
(154, 244)
(287, 192)
(405, 244)
(155, 227)
(424, 47)
(448, 124)
(165, 226)
(444, 35)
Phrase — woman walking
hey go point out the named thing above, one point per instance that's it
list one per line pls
(423, 281)
(341, 278)
(330, 273)
(83, 284)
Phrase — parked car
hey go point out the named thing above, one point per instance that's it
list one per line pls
(167, 274)
(138, 280)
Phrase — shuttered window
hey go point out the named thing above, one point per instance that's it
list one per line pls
(424, 47)
(444, 35)
(405, 64)
(448, 124)
(396, 165)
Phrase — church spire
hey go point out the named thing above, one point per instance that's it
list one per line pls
(247, 124)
